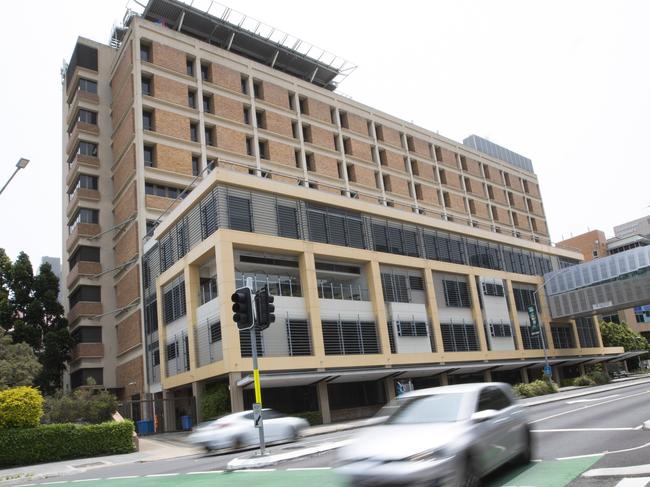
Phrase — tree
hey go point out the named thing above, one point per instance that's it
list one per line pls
(620, 335)
(31, 314)
(18, 363)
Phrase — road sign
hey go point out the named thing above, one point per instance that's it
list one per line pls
(257, 415)
(547, 370)
(534, 320)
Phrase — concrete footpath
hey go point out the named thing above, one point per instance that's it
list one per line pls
(173, 445)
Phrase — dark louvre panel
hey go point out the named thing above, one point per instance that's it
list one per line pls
(215, 332)
(370, 342)
(350, 337)
(562, 336)
(287, 222)
(395, 241)
(208, 216)
(182, 238)
(355, 233)
(456, 251)
(411, 243)
(586, 332)
(402, 292)
(459, 337)
(412, 329)
(317, 228)
(299, 338)
(387, 286)
(456, 294)
(239, 213)
(332, 339)
(245, 343)
(391, 337)
(379, 237)
(336, 227)
(416, 283)
(430, 246)
(166, 253)
(530, 342)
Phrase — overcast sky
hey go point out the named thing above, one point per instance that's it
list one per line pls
(566, 84)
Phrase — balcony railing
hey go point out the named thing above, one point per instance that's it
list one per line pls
(288, 286)
(338, 290)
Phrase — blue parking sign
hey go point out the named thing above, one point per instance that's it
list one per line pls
(547, 370)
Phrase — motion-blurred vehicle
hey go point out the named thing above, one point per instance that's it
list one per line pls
(238, 431)
(448, 436)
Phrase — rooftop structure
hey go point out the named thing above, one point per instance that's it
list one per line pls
(499, 152)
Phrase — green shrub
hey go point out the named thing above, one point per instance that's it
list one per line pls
(599, 375)
(84, 405)
(314, 417)
(215, 401)
(53, 442)
(535, 388)
(583, 380)
(567, 382)
(20, 407)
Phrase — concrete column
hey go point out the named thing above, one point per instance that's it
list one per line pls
(524, 375)
(581, 369)
(545, 318)
(389, 388)
(169, 411)
(191, 275)
(236, 392)
(432, 309)
(444, 380)
(377, 296)
(487, 376)
(514, 317)
(556, 374)
(476, 313)
(198, 389)
(574, 330)
(599, 338)
(226, 285)
(324, 402)
(309, 285)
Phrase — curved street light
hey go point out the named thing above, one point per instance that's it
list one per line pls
(21, 164)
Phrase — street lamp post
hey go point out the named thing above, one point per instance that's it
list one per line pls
(21, 164)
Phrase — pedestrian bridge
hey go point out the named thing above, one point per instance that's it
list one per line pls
(601, 286)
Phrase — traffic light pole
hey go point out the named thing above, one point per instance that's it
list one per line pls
(257, 407)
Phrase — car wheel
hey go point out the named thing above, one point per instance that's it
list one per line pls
(237, 443)
(468, 474)
(525, 455)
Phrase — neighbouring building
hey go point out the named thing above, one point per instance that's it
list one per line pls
(627, 236)
(198, 153)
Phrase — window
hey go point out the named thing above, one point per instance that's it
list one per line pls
(149, 155)
(586, 332)
(492, 398)
(486, 171)
(145, 52)
(174, 306)
(239, 213)
(492, 289)
(442, 176)
(215, 330)
(287, 222)
(437, 151)
(87, 149)
(91, 294)
(85, 181)
(500, 330)
(87, 85)
(146, 84)
(196, 165)
(87, 116)
(306, 133)
(191, 98)
(247, 115)
(524, 298)
(292, 103)
(468, 185)
(249, 146)
(194, 132)
(244, 84)
(189, 67)
(309, 159)
(302, 102)
(463, 163)
(490, 190)
(258, 91)
(345, 122)
(350, 337)
(456, 294)
(84, 215)
(205, 72)
(263, 148)
(84, 254)
(209, 136)
(335, 226)
(525, 185)
(207, 103)
(459, 337)
(472, 207)
(260, 119)
(506, 178)
(147, 120)
(162, 191)
(87, 334)
(412, 329)
(299, 339)
(562, 336)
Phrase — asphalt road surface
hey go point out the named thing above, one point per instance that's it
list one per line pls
(571, 436)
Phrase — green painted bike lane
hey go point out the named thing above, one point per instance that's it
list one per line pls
(553, 473)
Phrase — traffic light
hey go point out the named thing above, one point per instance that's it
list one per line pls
(242, 308)
(264, 308)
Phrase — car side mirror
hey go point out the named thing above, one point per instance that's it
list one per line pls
(485, 415)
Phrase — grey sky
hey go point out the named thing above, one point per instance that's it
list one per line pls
(566, 84)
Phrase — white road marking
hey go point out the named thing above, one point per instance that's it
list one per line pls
(591, 400)
(85, 480)
(308, 468)
(614, 471)
(589, 406)
(634, 482)
(25, 485)
(161, 475)
(606, 453)
(206, 472)
(123, 477)
(258, 470)
(52, 483)
(581, 429)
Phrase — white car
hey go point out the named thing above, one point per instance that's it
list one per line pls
(238, 431)
(447, 436)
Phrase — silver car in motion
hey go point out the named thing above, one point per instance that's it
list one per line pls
(448, 436)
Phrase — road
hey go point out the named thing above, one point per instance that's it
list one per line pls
(595, 431)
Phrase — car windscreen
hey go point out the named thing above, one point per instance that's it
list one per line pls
(437, 408)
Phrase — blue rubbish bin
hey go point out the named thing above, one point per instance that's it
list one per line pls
(142, 427)
(186, 423)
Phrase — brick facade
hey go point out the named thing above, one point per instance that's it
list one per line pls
(126, 206)
(123, 135)
(126, 246)
(124, 170)
(169, 58)
(129, 333)
(171, 124)
(169, 90)
(172, 159)
(127, 289)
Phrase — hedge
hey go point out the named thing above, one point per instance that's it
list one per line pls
(314, 417)
(53, 442)
(535, 388)
(20, 407)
